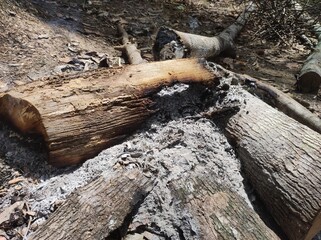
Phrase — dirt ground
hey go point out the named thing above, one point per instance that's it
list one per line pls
(43, 37)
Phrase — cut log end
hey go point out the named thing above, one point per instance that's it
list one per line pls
(22, 115)
(309, 82)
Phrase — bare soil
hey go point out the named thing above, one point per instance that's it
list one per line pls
(42, 38)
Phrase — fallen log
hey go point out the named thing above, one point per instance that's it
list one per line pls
(288, 105)
(170, 43)
(276, 98)
(98, 208)
(309, 79)
(79, 116)
(130, 49)
(214, 211)
(282, 160)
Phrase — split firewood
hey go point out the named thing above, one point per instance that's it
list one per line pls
(172, 44)
(309, 79)
(282, 160)
(215, 211)
(98, 208)
(79, 116)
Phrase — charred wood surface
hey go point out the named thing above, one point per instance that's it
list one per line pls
(282, 159)
(98, 208)
(81, 115)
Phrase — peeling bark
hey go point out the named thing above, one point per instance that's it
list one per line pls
(282, 160)
(95, 210)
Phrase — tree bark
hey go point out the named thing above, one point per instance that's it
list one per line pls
(288, 105)
(217, 212)
(309, 79)
(276, 98)
(130, 49)
(81, 115)
(282, 159)
(95, 210)
(171, 43)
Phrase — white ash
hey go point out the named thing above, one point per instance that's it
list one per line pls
(173, 143)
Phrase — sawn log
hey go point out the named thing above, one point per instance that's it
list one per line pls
(282, 160)
(79, 116)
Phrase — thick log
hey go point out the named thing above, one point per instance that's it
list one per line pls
(81, 115)
(276, 98)
(95, 210)
(215, 211)
(282, 159)
(309, 79)
(172, 44)
(287, 105)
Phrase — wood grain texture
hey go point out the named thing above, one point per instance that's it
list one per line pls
(282, 159)
(98, 208)
(216, 211)
(78, 116)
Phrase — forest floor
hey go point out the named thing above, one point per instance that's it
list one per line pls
(44, 37)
